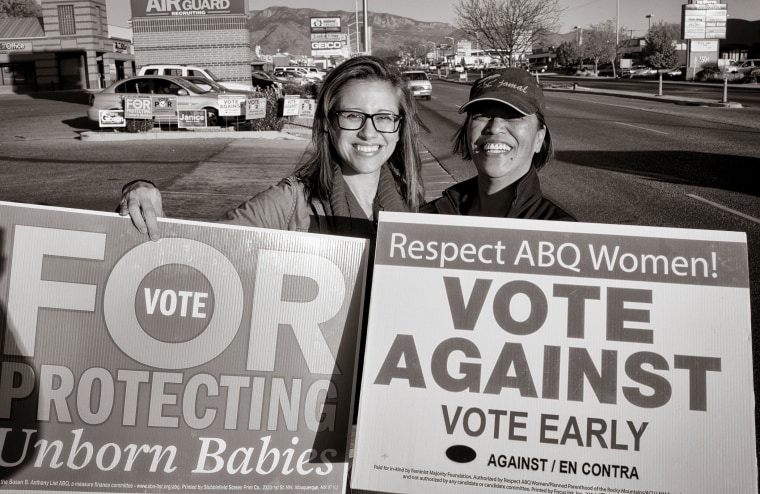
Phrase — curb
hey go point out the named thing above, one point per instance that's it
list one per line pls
(191, 134)
(650, 97)
(575, 88)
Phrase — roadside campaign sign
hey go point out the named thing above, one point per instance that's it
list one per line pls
(218, 358)
(565, 358)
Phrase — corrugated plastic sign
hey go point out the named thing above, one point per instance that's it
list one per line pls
(218, 358)
(537, 356)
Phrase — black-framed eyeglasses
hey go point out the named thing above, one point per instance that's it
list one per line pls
(387, 123)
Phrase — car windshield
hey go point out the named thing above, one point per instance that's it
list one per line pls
(192, 87)
(417, 76)
(204, 85)
(212, 75)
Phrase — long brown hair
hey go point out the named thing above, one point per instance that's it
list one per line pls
(404, 163)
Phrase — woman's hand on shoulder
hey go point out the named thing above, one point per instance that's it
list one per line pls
(141, 200)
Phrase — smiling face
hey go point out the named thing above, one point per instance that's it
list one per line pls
(365, 150)
(502, 142)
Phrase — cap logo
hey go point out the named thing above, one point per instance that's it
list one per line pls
(488, 82)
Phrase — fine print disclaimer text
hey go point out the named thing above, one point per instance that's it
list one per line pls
(508, 484)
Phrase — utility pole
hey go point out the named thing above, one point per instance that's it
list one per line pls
(365, 18)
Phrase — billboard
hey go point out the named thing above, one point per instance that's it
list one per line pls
(528, 356)
(165, 8)
(218, 358)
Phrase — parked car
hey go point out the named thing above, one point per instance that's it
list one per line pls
(606, 70)
(748, 65)
(302, 72)
(290, 77)
(182, 70)
(642, 71)
(189, 97)
(209, 85)
(538, 67)
(419, 83)
(678, 73)
(263, 80)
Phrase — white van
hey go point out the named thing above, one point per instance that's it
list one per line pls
(182, 70)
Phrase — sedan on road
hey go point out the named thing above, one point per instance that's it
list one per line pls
(189, 97)
(419, 83)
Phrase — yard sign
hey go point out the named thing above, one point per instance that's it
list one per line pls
(218, 358)
(534, 356)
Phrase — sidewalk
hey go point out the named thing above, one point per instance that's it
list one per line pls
(261, 148)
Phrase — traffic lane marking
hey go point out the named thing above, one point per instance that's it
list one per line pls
(724, 208)
(642, 128)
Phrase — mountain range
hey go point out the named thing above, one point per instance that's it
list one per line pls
(287, 30)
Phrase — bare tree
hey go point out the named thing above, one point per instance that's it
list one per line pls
(599, 43)
(510, 27)
(20, 8)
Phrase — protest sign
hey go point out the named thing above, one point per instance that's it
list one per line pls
(231, 105)
(164, 106)
(291, 105)
(187, 119)
(111, 118)
(218, 358)
(308, 107)
(255, 108)
(139, 107)
(536, 356)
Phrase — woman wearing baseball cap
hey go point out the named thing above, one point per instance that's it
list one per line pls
(507, 139)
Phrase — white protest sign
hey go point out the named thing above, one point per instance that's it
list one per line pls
(220, 358)
(231, 105)
(291, 105)
(255, 108)
(536, 356)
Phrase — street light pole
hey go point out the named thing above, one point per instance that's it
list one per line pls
(649, 18)
(453, 48)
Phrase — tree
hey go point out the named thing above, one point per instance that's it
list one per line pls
(510, 27)
(20, 8)
(660, 49)
(568, 53)
(599, 43)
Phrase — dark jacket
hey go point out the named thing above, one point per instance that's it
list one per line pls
(530, 202)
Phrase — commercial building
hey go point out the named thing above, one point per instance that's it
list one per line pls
(209, 33)
(69, 47)
(72, 46)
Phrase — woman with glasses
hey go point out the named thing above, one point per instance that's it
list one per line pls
(364, 159)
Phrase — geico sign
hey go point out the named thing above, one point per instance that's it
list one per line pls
(322, 45)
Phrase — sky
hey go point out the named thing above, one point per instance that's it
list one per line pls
(577, 12)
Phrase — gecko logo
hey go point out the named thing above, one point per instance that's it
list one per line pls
(461, 453)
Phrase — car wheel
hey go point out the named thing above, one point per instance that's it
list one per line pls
(212, 117)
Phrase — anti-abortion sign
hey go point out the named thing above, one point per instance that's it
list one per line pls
(534, 356)
(218, 358)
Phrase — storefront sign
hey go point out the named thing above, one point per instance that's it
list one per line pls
(153, 8)
(538, 356)
(325, 24)
(15, 47)
(216, 359)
